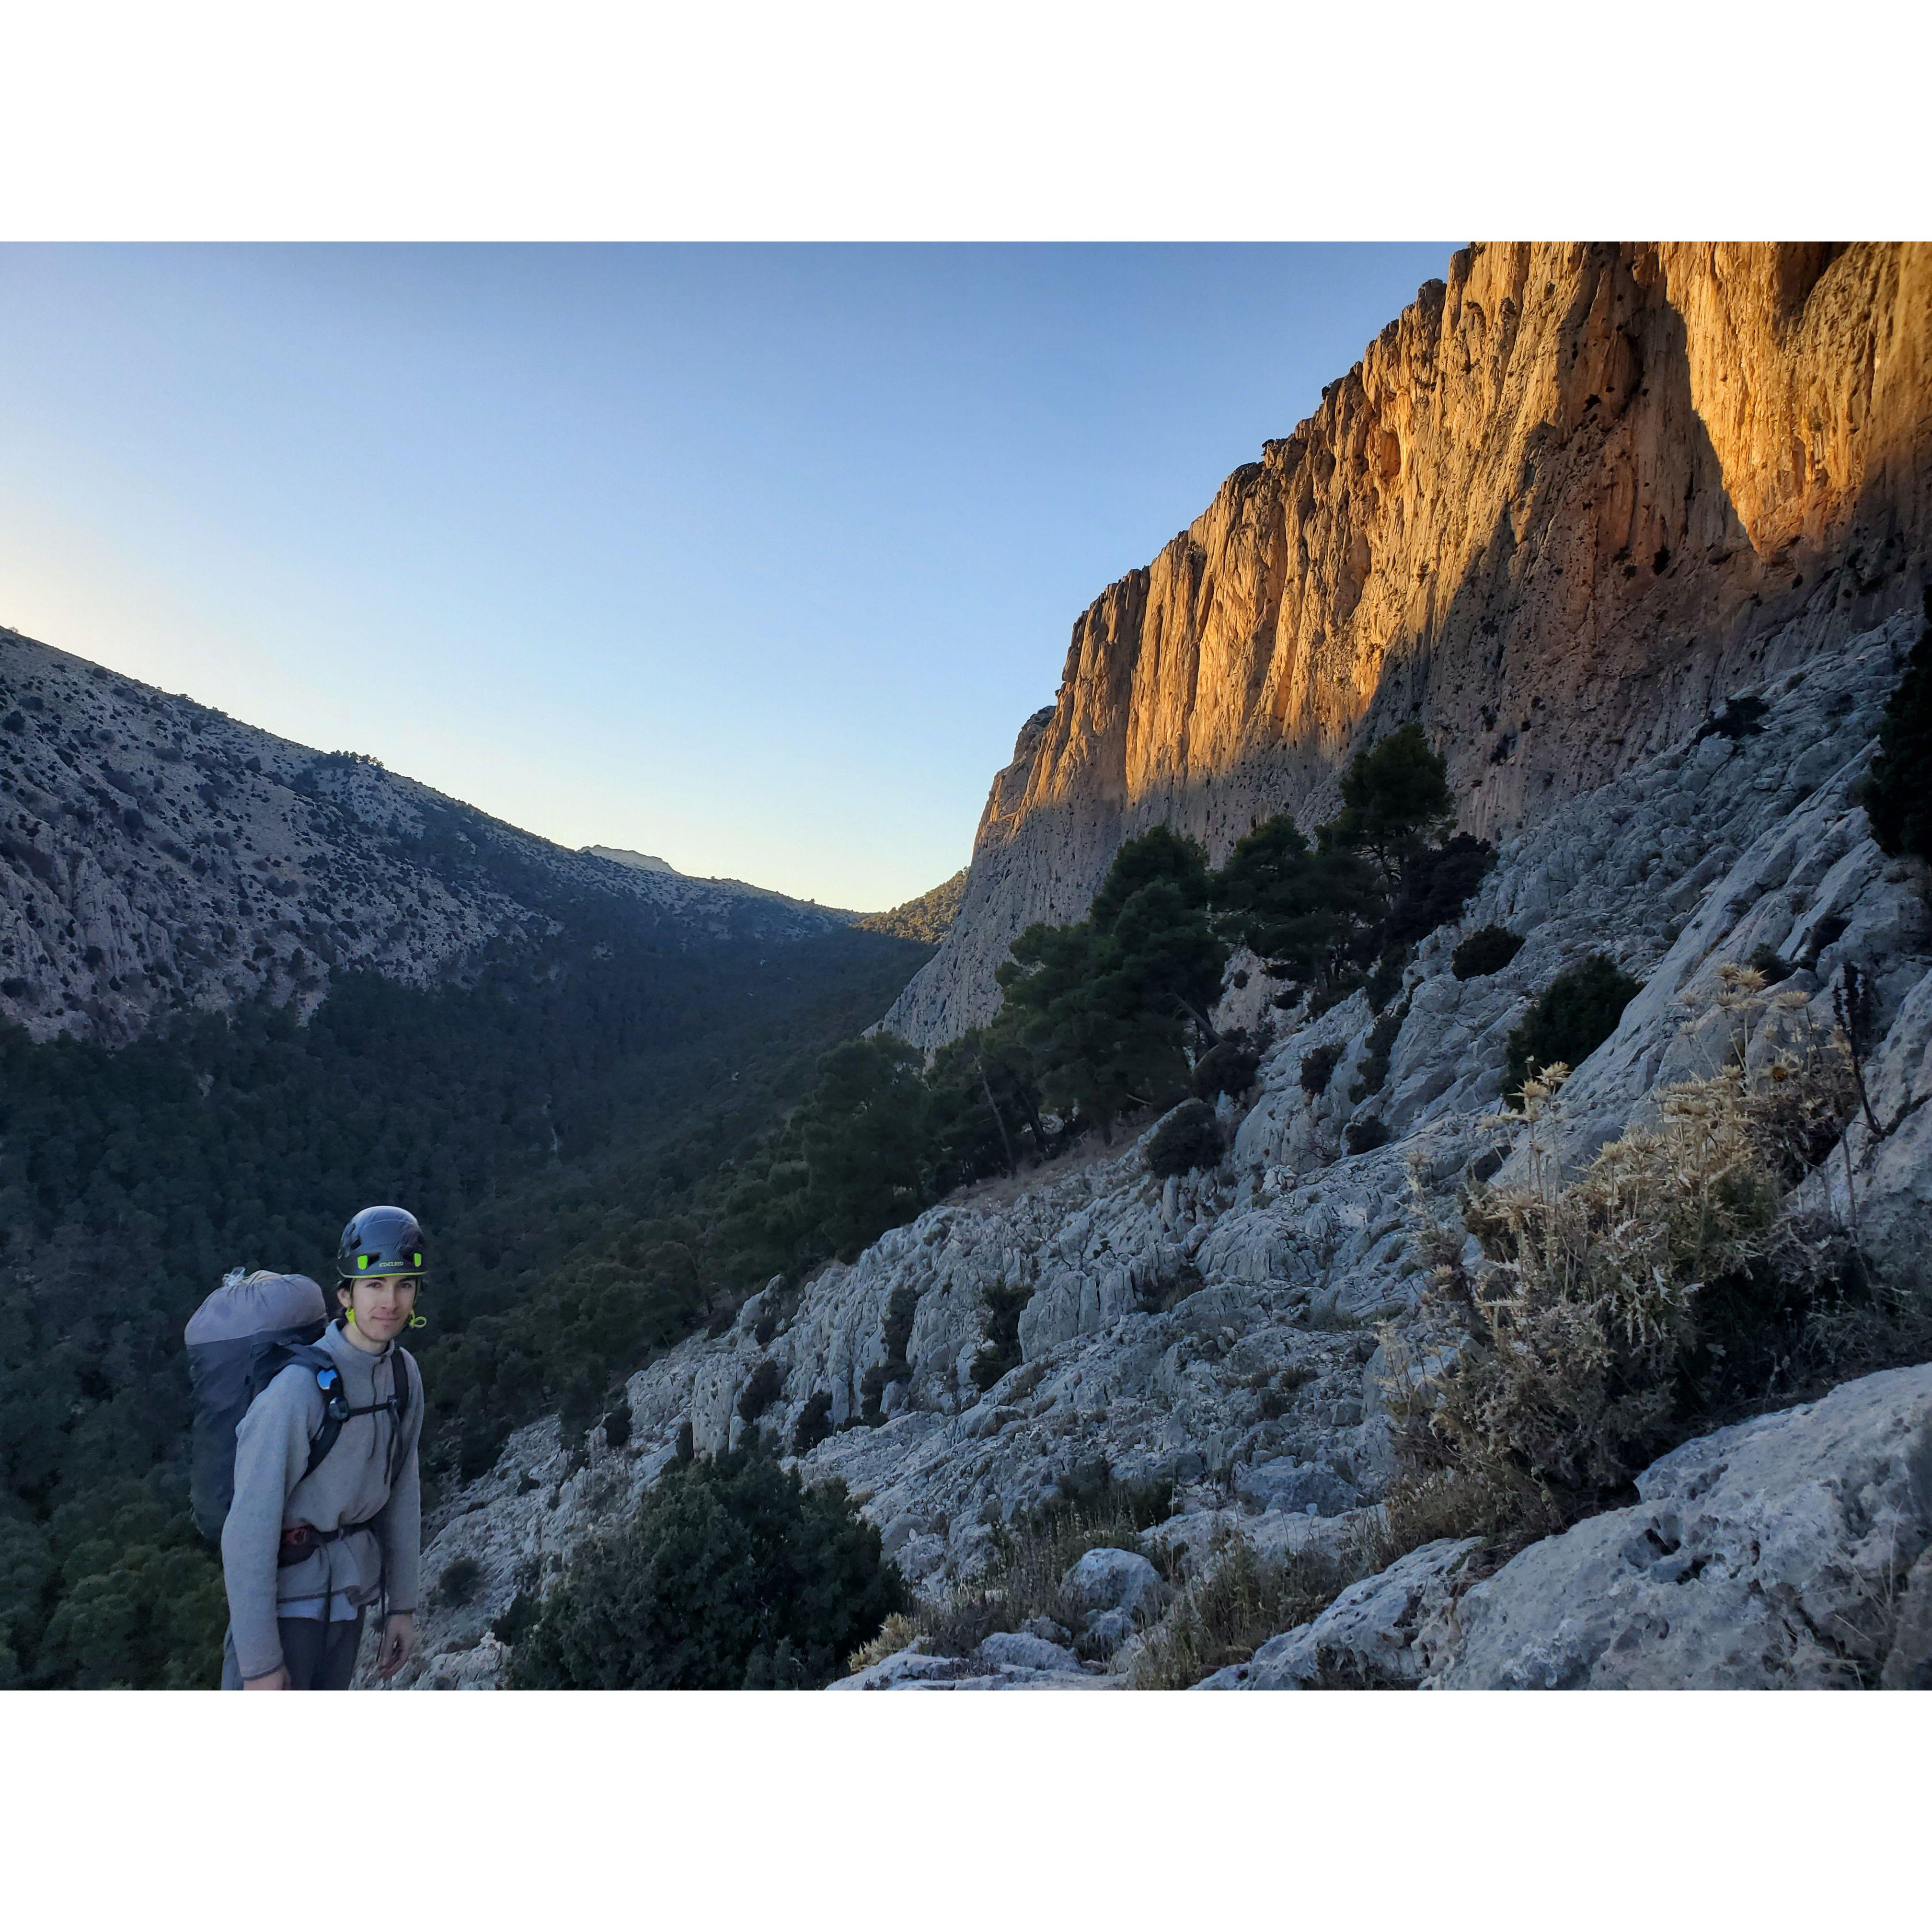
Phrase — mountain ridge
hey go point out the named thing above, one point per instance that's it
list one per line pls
(158, 856)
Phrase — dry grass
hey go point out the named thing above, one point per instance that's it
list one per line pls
(1030, 1557)
(1228, 1615)
(1616, 1311)
(895, 1634)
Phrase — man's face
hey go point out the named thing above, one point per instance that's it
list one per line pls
(383, 1306)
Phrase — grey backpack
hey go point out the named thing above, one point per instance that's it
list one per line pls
(238, 1340)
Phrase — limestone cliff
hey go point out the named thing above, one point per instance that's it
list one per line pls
(1567, 499)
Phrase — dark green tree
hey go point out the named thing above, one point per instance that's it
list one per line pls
(732, 1575)
(867, 1142)
(1300, 908)
(986, 1106)
(1105, 1008)
(1576, 1013)
(1395, 798)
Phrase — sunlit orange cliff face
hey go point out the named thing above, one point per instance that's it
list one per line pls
(1567, 499)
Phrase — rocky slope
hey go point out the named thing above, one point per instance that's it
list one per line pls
(1566, 500)
(1218, 1330)
(156, 856)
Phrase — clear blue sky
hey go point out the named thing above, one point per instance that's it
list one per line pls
(754, 558)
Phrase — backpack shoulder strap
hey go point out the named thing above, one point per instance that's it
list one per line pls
(328, 1383)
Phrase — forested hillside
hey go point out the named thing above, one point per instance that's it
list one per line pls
(564, 1125)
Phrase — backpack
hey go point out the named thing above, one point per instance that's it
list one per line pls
(238, 1340)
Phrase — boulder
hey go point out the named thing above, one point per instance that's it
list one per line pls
(1382, 1632)
(1114, 1579)
(1783, 1552)
(1105, 1631)
(1029, 1653)
(1302, 1489)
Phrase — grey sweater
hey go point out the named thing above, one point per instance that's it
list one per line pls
(352, 1485)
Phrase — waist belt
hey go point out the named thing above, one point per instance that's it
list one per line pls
(301, 1540)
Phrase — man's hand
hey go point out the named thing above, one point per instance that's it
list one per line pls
(399, 1635)
(277, 1679)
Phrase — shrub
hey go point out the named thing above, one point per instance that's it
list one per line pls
(1365, 1136)
(1620, 1312)
(1578, 1011)
(1227, 1616)
(1375, 1067)
(1161, 1293)
(457, 1585)
(1318, 1069)
(1229, 1067)
(1030, 1557)
(898, 1338)
(733, 1574)
(896, 1633)
(1487, 950)
(519, 1620)
(1898, 798)
(1740, 717)
(815, 1423)
(1385, 982)
(760, 1391)
(1436, 883)
(1001, 1354)
(1189, 1138)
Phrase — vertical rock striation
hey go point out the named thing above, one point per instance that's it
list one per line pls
(1566, 500)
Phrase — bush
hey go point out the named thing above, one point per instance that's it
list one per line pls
(1001, 1354)
(1578, 1011)
(1375, 1066)
(898, 1338)
(1229, 1067)
(732, 1575)
(1030, 1557)
(1487, 950)
(519, 1620)
(1160, 1293)
(1318, 1069)
(815, 1423)
(760, 1391)
(1189, 1138)
(457, 1585)
(1436, 883)
(1622, 1311)
(1740, 717)
(1229, 1616)
(1898, 798)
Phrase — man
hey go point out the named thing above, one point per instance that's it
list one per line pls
(304, 1555)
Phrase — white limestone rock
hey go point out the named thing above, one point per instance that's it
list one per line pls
(1775, 1554)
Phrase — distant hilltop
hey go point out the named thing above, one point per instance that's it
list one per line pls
(158, 857)
(927, 919)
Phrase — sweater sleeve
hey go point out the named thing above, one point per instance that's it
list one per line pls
(399, 1523)
(271, 1452)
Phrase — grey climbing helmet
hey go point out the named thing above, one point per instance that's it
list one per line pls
(380, 1241)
